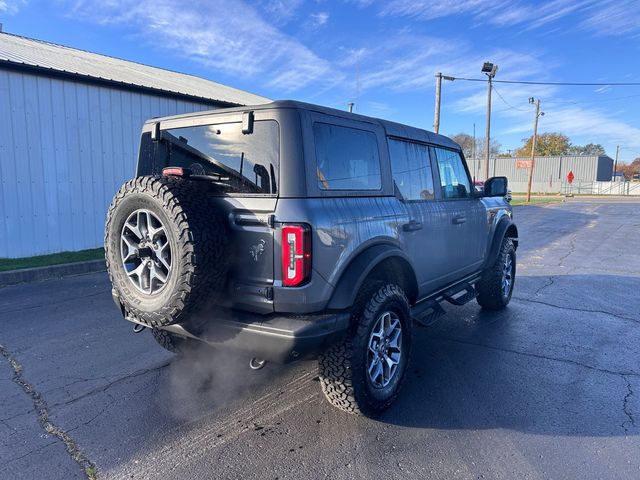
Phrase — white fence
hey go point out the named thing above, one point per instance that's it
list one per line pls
(601, 188)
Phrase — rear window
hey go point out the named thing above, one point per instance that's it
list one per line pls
(245, 163)
(346, 158)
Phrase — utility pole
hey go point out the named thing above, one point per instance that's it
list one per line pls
(615, 164)
(533, 146)
(436, 115)
(475, 160)
(489, 69)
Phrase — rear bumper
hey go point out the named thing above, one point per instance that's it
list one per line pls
(278, 338)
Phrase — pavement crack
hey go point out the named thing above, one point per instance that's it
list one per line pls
(550, 282)
(572, 248)
(541, 357)
(107, 386)
(112, 401)
(575, 309)
(8, 426)
(42, 411)
(104, 409)
(625, 407)
(30, 452)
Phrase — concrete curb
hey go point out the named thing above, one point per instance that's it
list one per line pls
(25, 275)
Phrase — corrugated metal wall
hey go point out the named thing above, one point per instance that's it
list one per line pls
(65, 148)
(549, 174)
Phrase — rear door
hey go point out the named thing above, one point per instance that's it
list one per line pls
(421, 230)
(465, 227)
(243, 166)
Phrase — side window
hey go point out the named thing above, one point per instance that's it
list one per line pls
(346, 158)
(453, 176)
(411, 169)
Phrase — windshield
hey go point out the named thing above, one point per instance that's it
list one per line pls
(246, 163)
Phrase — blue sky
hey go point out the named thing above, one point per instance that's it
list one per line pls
(383, 54)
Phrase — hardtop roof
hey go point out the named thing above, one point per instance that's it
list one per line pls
(393, 129)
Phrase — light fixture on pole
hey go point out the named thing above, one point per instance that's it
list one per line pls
(490, 70)
(539, 114)
(436, 116)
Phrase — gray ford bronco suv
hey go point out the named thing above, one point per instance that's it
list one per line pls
(292, 231)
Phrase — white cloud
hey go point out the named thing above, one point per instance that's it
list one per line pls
(614, 17)
(11, 6)
(230, 36)
(319, 19)
(590, 125)
(280, 12)
(602, 17)
(409, 62)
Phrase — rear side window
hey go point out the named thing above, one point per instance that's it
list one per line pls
(454, 180)
(346, 158)
(411, 169)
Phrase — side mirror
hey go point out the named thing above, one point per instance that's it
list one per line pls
(495, 187)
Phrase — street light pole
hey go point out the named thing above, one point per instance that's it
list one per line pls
(488, 133)
(533, 146)
(489, 69)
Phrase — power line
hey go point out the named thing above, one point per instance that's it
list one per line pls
(575, 84)
(507, 103)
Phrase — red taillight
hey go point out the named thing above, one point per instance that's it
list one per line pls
(296, 255)
(173, 171)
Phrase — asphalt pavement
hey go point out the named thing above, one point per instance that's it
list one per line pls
(547, 389)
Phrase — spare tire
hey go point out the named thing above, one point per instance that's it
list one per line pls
(165, 248)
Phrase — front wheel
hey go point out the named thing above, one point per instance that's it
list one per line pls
(496, 285)
(363, 374)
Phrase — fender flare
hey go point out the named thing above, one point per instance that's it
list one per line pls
(504, 224)
(352, 278)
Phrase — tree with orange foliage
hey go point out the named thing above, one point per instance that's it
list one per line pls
(629, 169)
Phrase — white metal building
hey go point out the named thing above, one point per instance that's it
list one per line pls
(70, 123)
(550, 173)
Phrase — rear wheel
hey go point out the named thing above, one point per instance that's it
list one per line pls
(496, 285)
(363, 374)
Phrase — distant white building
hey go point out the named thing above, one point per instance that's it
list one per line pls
(70, 123)
(549, 174)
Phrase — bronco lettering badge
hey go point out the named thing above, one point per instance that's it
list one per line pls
(257, 250)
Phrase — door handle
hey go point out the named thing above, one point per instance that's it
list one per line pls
(412, 226)
(458, 219)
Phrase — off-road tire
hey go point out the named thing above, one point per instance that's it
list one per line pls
(489, 288)
(198, 241)
(170, 341)
(342, 368)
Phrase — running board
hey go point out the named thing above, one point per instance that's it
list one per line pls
(427, 312)
(460, 294)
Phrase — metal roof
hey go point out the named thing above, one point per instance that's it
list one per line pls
(30, 53)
